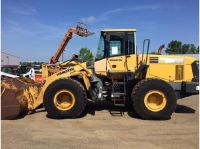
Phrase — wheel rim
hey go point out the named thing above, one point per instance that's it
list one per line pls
(155, 100)
(64, 100)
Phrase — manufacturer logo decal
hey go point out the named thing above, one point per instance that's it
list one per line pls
(65, 71)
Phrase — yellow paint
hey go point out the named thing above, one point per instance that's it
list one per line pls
(188, 75)
(78, 70)
(155, 101)
(165, 69)
(64, 100)
(119, 30)
(131, 62)
(29, 96)
(116, 64)
(100, 67)
(44, 71)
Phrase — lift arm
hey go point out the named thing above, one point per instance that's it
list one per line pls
(80, 30)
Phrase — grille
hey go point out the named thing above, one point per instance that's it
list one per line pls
(153, 60)
(179, 72)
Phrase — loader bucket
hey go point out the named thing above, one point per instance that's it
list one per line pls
(10, 107)
(15, 97)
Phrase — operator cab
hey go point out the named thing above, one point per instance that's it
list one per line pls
(115, 45)
(116, 42)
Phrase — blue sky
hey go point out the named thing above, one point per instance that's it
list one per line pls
(33, 29)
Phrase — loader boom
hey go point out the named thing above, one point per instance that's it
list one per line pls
(80, 30)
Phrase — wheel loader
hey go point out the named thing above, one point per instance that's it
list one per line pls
(149, 84)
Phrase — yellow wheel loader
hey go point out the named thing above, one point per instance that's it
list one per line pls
(147, 83)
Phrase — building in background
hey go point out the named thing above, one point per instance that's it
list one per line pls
(9, 59)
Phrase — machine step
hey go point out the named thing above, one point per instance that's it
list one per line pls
(118, 83)
(119, 102)
(116, 113)
(118, 93)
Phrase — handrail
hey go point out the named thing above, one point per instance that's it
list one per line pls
(148, 43)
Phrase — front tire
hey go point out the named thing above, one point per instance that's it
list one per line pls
(153, 99)
(65, 98)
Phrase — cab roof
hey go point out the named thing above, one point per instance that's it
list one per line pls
(119, 30)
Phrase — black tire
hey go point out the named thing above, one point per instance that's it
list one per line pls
(74, 87)
(142, 88)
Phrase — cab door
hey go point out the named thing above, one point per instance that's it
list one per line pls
(116, 64)
(116, 53)
(121, 52)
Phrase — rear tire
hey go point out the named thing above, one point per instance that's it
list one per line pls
(153, 99)
(73, 91)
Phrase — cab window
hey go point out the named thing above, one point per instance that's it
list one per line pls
(116, 44)
(100, 49)
(130, 47)
(115, 48)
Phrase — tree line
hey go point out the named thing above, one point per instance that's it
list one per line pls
(177, 47)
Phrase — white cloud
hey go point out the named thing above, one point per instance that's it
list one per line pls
(23, 9)
(33, 29)
(105, 15)
(113, 11)
(134, 8)
(89, 20)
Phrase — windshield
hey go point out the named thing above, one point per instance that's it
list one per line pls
(100, 49)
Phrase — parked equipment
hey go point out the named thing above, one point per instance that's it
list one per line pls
(119, 75)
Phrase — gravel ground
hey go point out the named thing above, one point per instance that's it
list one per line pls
(103, 130)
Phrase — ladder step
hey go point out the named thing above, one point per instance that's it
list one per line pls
(116, 93)
(118, 83)
(119, 102)
(116, 113)
(119, 105)
(117, 99)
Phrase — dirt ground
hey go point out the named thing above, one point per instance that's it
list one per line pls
(103, 130)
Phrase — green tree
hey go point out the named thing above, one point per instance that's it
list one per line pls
(85, 54)
(176, 47)
(193, 49)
